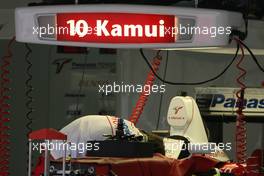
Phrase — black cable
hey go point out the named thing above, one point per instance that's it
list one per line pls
(29, 89)
(161, 98)
(253, 56)
(240, 34)
(190, 83)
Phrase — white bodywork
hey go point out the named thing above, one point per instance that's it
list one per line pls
(90, 128)
(185, 120)
(25, 19)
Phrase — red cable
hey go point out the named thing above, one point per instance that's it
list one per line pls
(5, 111)
(143, 98)
(241, 144)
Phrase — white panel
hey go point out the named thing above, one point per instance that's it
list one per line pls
(222, 101)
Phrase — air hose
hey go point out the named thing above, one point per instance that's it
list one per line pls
(5, 111)
(143, 98)
(241, 144)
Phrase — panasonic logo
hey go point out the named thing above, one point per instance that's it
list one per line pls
(215, 100)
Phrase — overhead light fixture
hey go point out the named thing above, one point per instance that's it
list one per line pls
(125, 26)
